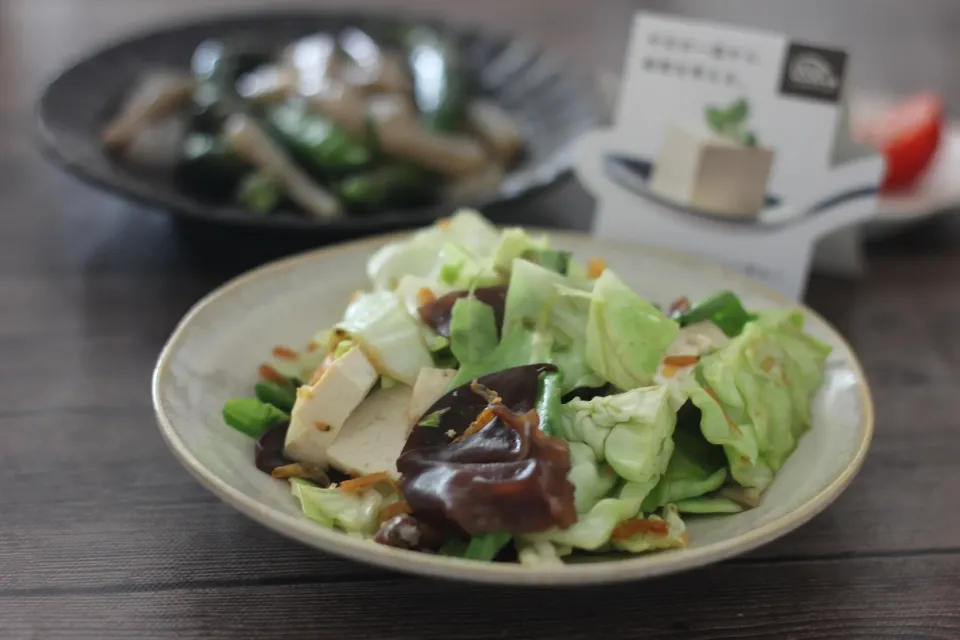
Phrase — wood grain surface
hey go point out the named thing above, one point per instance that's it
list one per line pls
(104, 535)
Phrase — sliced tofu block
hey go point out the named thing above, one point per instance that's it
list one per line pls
(698, 168)
(321, 410)
(430, 386)
(373, 436)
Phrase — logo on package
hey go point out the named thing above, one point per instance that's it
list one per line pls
(813, 73)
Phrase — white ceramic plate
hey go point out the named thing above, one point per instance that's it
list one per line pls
(215, 351)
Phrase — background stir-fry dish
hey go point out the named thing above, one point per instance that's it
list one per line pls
(332, 124)
(492, 398)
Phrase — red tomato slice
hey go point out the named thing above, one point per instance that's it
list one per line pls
(908, 136)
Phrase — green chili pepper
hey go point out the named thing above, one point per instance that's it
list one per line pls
(217, 67)
(282, 397)
(321, 147)
(548, 403)
(251, 416)
(486, 547)
(399, 185)
(259, 193)
(439, 85)
(208, 167)
(724, 309)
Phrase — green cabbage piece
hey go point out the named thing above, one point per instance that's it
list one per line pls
(541, 553)
(417, 255)
(514, 243)
(626, 335)
(460, 268)
(593, 528)
(463, 252)
(631, 431)
(592, 480)
(351, 512)
(695, 468)
(642, 542)
(709, 505)
(473, 330)
(755, 394)
(514, 350)
(536, 300)
(389, 337)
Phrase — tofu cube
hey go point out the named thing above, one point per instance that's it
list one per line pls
(698, 168)
(321, 409)
(430, 386)
(373, 436)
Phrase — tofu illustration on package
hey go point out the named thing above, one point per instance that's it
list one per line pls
(699, 168)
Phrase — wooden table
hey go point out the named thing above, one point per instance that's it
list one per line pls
(104, 535)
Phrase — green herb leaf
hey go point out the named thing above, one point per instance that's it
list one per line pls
(251, 416)
(433, 419)
(738, 112)
(717, 120)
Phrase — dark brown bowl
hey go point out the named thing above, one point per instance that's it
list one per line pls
(552, 106)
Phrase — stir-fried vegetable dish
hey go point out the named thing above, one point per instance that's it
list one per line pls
(331, 124)
(492, 398)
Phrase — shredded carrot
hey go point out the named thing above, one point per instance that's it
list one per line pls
(733, 426)
(393, 510)
(630, 528)
(269, 373)
(285, 353)
(364, 482)
(312, 346)
(681, 361)
(321, 369)
(668, 371)
(443, 223)
(425, 297)
(596, 267)
(489, 395)
(322, 426)
(680, 305)
(486, 417)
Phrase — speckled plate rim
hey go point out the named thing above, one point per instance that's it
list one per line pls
(640, 567)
